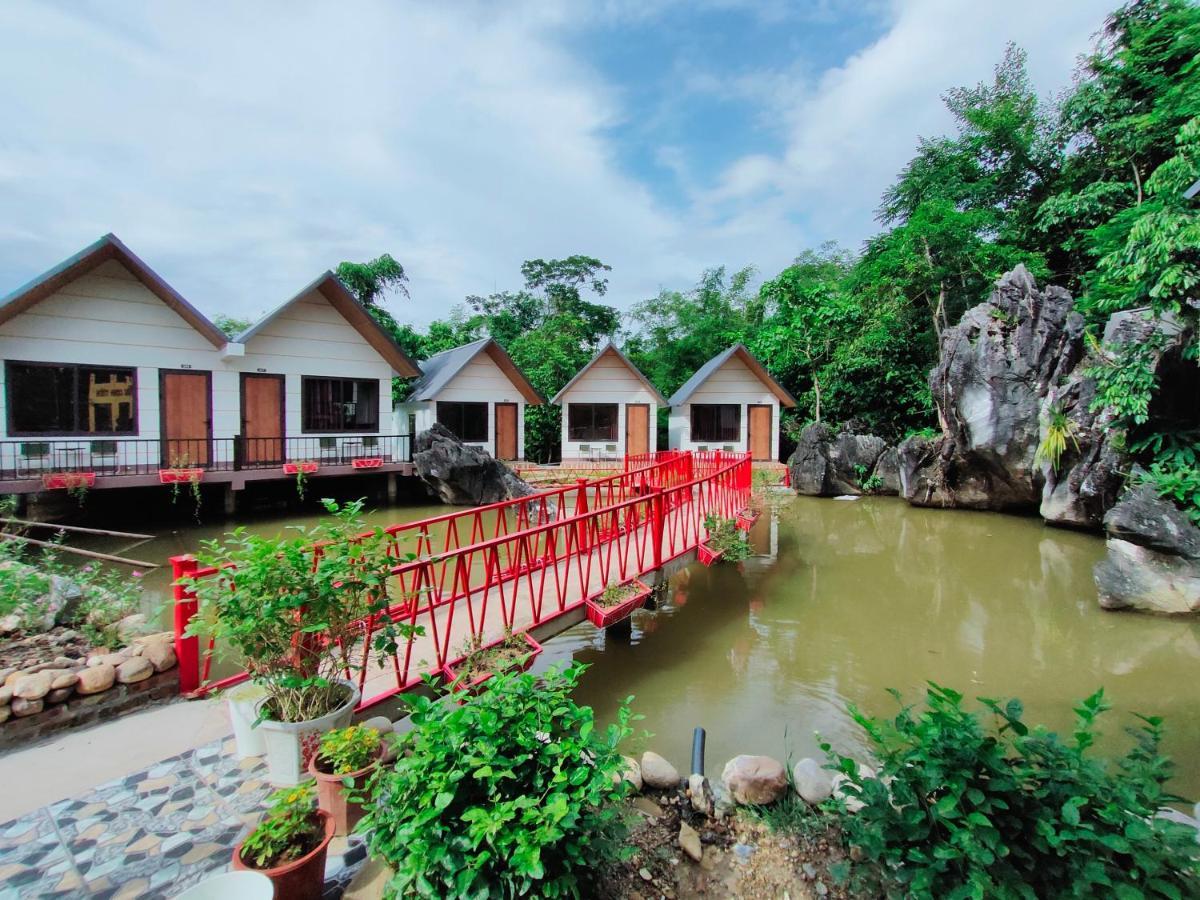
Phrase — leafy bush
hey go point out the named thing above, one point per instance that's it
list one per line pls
(289, 831)
(512, 794)
(346, 750)
(724, 535)
(960, 810)
(293, 616)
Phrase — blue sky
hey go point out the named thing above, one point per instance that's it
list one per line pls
(242, 149)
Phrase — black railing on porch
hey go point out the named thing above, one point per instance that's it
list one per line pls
(35, 457)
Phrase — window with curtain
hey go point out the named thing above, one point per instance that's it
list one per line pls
(53, 399)
(469, 421)
(592, 422)
(716, 422)
(339, 404)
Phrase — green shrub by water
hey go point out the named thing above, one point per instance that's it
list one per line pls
(512, 794)
(966, 809)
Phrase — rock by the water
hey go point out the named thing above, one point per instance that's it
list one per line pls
(134, 669)
(632, 772)
(95, 679)
(701, 794)
(1145, 519)
(58, 695)
(813, 784)
(159, 654)
(22, 707)
(6, 694)
(460, 474)
(755, 780)
(826, 465)
(33, 687)
(657, 773)
(689, 840)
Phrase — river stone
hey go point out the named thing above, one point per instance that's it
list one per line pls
(6, 694)
(16, 676)
(59, 695)
(97, 678)
(10, 623)
(701, 794)
(461, 474)
(134, 669)
(131, 626)
(689, 840)
(162, 656)
(22, 707)
(33, 687)
(657, 773)
(813, 784)
(631, 771)
(5, 712)
(754, 780)
(110, 659)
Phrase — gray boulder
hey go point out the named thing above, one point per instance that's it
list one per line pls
(829, 465)
(1152, 558)
(462, 475)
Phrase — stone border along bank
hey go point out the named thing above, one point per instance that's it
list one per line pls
(49, 696)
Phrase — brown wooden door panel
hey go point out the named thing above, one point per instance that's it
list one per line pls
(637, 428)
(506, 431)
(185, 403)
(759, 438)
(262, 418)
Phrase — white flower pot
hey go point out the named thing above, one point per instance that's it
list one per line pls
(231, 886)
(290, 745)
(243, 703)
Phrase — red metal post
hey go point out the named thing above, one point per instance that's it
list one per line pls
(581, 508)
(656, 524)
(187, 649)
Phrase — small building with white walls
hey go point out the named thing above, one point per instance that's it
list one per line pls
(609, 410)
(477, 392)
(730, 403)
(107, 370)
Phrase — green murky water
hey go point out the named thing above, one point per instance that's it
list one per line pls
(847, 599)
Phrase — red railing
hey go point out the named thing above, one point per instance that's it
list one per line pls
(521, 578)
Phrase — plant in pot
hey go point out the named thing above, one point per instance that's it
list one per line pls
(289, 845)
(725, 541)
(481, 661)
(346, 759)
(293, 611)
(616, 602)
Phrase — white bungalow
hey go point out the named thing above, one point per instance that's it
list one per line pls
(610, 409)
(731, 403)
(476, 391)
(107, 369)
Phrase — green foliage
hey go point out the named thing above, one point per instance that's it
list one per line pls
(725, 537)
(290, 829)
(231, 326)
(369, 281)
(266, 591)
(1125, 381)
(960, 809)
(346, 750)
(616, 594)
(1177, 478)
(512, 794)
(1061, 430)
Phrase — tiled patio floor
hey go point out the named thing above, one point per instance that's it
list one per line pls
(150, 834)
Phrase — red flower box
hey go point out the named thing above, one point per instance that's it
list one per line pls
(367, 462)
(173, 476)
(68, 480)
(294, 468)
(746, 519)
(707, 555)
(450, 675)
(603, 616)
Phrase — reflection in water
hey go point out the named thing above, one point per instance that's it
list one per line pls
(874, 594)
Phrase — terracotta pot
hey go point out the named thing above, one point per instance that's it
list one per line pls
(332, 793)
(301, 879)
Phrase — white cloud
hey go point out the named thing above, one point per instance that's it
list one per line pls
(243, 148)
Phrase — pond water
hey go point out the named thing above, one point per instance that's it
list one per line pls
(844, 600)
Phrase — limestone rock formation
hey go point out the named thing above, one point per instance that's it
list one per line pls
(828, 465)
(1153, 557)
(462, 475)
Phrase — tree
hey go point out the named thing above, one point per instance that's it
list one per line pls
(369, 281)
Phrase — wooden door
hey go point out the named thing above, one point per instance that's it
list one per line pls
(759, 438)
(506, 431)
(262, 419)
(185, 406)
(637, 428)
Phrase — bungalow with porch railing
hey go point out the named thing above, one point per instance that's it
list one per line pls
(110, 378)
(477, 392)
(730, 403)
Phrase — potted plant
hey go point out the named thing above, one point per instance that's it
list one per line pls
(243, 703)
(616, 602)
(746, 518)
(724, 541)
(293, 611)
(289, 845)
(341, 767)
(480, 661)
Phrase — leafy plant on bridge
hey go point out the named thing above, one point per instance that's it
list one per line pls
(726, 538)
(960, 809)
(513, 794)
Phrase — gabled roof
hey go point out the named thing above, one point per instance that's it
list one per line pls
(610, 347)
(87, 259)
(340, 298)
(702, 375)
(439, 370)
